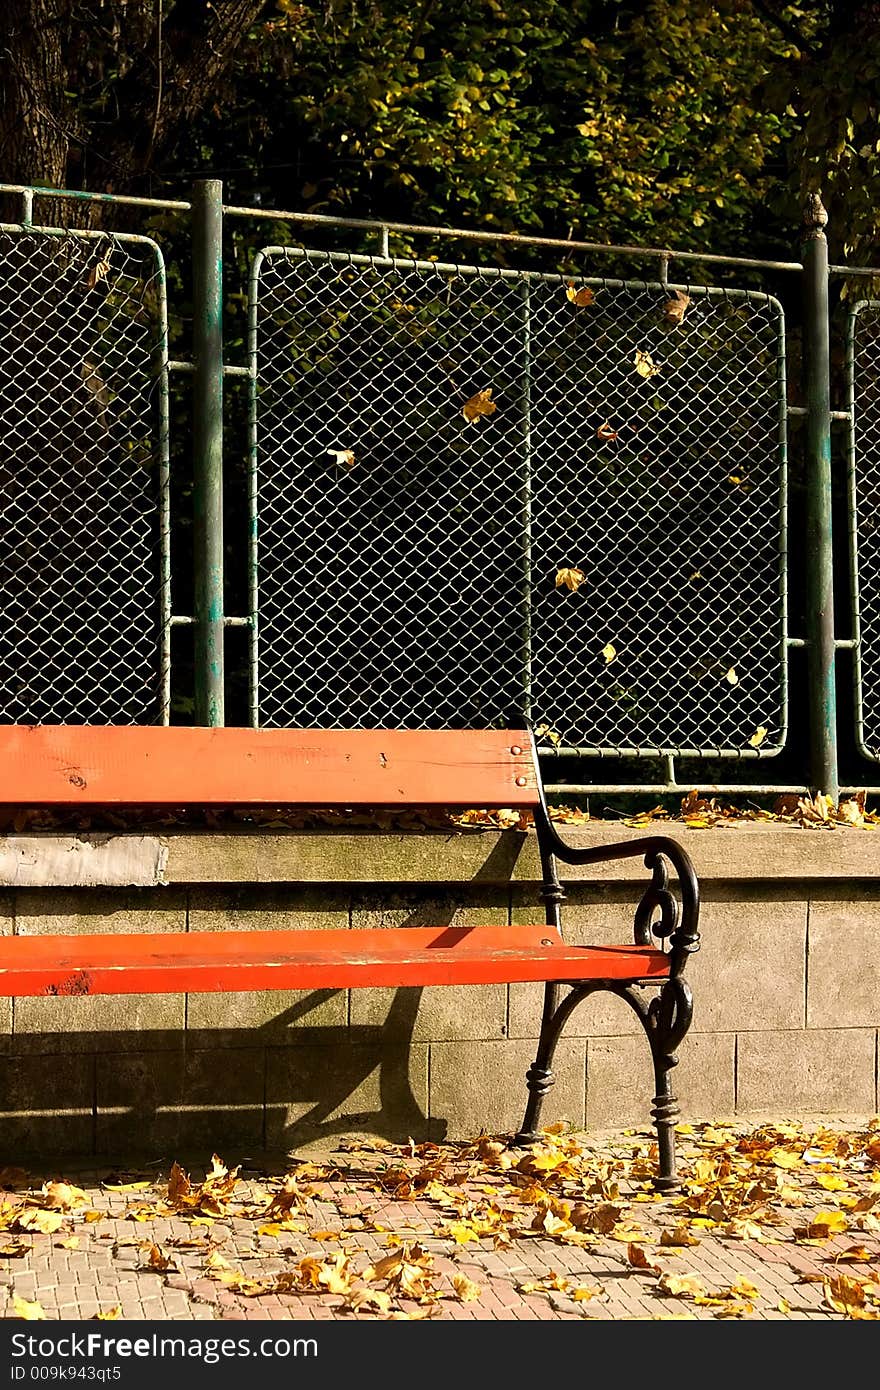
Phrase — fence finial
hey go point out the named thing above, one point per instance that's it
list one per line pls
(815, 216)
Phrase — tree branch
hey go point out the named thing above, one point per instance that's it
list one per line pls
(786, 28)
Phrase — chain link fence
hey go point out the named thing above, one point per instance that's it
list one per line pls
(863, 342)
(84, 617)
(482, 493)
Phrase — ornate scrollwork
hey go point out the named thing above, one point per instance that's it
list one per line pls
(669, 1017)
(657, 897)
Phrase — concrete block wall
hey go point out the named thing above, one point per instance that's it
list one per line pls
(787, 989)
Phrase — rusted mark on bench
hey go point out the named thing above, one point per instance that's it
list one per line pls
(80, 982)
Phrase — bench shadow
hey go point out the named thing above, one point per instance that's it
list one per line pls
(156, 1092)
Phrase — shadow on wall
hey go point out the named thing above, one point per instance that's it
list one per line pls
(156, 1093)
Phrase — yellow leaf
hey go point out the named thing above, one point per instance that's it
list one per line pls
(14, 1249)
(359, 1298)
(480, 404)
(569, 579)
(72, 1243)
(62, 1195)
(127, 1186)
(344, 458)
(758, 737)
(744, 1288)
(675, 309)
(844, 1295)
(109, 1314)
(680, 1236)
(853, 1253)
(465, 1288)
(31, 1312)
(827, 1223)
(609, 651)
(581, 298)
(582, 1294)
(645, 364)
(783, 1306)
(681, 1286)
(731, 677)
(39, 1220)
(459, 1232)
(552, 736)
(832, 1182)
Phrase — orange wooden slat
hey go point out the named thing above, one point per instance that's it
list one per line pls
(211, 962)
(63, 765)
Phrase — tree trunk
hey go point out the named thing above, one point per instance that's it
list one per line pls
(34, 116)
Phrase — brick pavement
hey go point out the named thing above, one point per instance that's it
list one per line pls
(480, 1233)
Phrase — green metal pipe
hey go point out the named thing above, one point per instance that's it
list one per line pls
(207, 239)
(820, 577)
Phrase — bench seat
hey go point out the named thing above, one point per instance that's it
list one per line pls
(213, 962)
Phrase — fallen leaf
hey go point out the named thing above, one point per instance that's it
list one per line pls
(758, 737)
(679, 1236)
(36, 1219)
(30, 1312)
(645, 364)
(98, 272)
(827, 1223)
(62, 1195)
(109, 1314)
(344, 458)
(844, 1295)
(609, 651)
(178, 1183)
(569, 579)
(163, 1264)
(681, 1286)
(581, 298)
(584, 1293)
(14, 1249)
(465, 1288)
(639, 1260)
(832, 1182)
(71, 1243)
(480, 404)
(606, 431)
(675, 309)
(731, 677)
(744, 1288)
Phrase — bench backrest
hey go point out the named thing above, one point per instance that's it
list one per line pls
(79, 765)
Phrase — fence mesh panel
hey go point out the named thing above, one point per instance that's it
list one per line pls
(408, 556)
(83, 463)
(864, 386)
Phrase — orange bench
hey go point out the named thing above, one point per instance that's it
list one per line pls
(174, 767)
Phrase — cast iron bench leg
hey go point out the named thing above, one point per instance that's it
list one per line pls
(665, 1019)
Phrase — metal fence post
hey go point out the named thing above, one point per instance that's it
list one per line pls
(819, 558)
(207, 246)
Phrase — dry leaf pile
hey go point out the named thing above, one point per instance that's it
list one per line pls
(435, 1205)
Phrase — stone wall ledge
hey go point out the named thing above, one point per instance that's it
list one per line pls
(733, 853)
